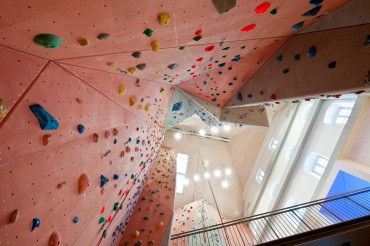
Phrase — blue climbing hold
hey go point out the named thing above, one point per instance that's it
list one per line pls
(332, 64)
(236, 58)
(312, 12)
(177, 106)
(46, 120)
(311, 51)
(297, 57)
(137, 141)
(115, 141)
(316, 2)
(298, 26)
(75, 219)
(80, 128)
(221, 64)
(35, 223)
(279, 58)
(103, 181)
(250, 96)
(239, 96)
(116, 176)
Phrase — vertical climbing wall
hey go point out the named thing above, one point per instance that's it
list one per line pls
(74, 172)
(152, 216)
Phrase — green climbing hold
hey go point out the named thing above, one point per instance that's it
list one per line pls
(142, 229)
(162, 213)
(151, 242)
(148, 32)
(181, 47)
(48, 40)
(273, 12)
(101, 220)
(115, 208)
(146, 218)
(105, 234)
(226, 48)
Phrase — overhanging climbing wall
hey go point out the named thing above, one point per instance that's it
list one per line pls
(152, 216)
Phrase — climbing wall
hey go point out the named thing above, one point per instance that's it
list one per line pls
(153, 213)
(73, 155)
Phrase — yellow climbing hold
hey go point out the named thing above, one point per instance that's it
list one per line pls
(131, 70)
(136, 233)
(147, 107)
(158, 72)
(110, 64)
(3, 109)
(140, 106)
(83, 41)
(155, 46)
(161, 90)
(133, 100)
(164, 19)
(160, 224)
(122, 90)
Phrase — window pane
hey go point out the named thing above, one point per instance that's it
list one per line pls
(180, 179)
(182, 163)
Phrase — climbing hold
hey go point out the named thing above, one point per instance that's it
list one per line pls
(95, 138)
(273, 97)
(103, 181)
(46, 139)
(148, 32)
(177, 106)
(248, 28)
(101, 220)
(132, 70)
(173, 66)
(298, 26)
(236, 58)
(83, 183)
(115, 207)
(262, 8)
(160, 224)
(128, 150)
(297, 57)
(285, 71)
(80, 128)
(210, 48)
(103, 36)
(35, 223)
(48, 40)
(3, 109)
(115, 132)
(116, 176)
(147, 107)
(200, 59)
(222, 6)
(155, 46)
(133, 100)
(311, 51)
(366, 44)
(273, 12)
(181, 47)
(312, 12)
(83, 41)
(106, 134)
(141, 66)
(136, 233)
(61, 185)
(146, 218)
(122, 90)
(55, 239)
(75, 219)
(14, 216)
(136, 54)
(316, 2)
(164, 19)
(110, 64)
(138, 243)
(151, 242)
(221, 64)
(197, 38)
(332, 64)
(46, 121)
(239, 96)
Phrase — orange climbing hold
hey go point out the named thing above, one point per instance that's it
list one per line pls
(122, 90)
(248, 28)
(147, 107)
(262, 8)
(83, 183)
(133, 100)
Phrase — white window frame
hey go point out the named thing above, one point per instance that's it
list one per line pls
(320, 165)
(181, 159)
(274, 142)
(260, 176)
(343, 115)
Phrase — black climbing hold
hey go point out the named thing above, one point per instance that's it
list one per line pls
(243, 47)
(223, 6)
(298, 26)
(316, 2)
(46, 120)
(229, 68)
(197, 38)
(239, 96)
(367, 41)
(297, 57)
(285, 71)
(173, 66)
(261, 93)
(250, 96)
(136, 54)
(141, 66)
(312, 51)
(279, 58)
(332, 64)
(48, 40)
(312, 12)
(103, 36)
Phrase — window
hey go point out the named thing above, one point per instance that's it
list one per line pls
(260, 175)
(343, 116)
(320, 165)
(181, 166)
(273, 144)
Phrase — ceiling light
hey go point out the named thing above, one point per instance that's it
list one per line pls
(202, 132)
(225, 184)
(196, 178)
(214, 130)
(206, 175)
(228, 171)
(178, 135)
(217, 173)
(227, 128)
(186, 181)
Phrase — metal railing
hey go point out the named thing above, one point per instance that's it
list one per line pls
(281, 223)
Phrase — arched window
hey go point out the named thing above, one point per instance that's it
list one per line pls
(315, 164)
(338, 113)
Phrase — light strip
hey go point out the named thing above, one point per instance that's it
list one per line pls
(193, 133)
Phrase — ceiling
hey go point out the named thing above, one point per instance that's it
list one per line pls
(234, 45)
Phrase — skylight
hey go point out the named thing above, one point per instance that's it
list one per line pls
(181, 167)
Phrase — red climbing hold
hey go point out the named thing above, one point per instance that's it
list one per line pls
(262, 8)
(248, 28)
(210, 48)
(120, 192)
(199, 32)
(200, 59)
(110, 219)
(273, 97)
(102, 210)
(193, 66)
